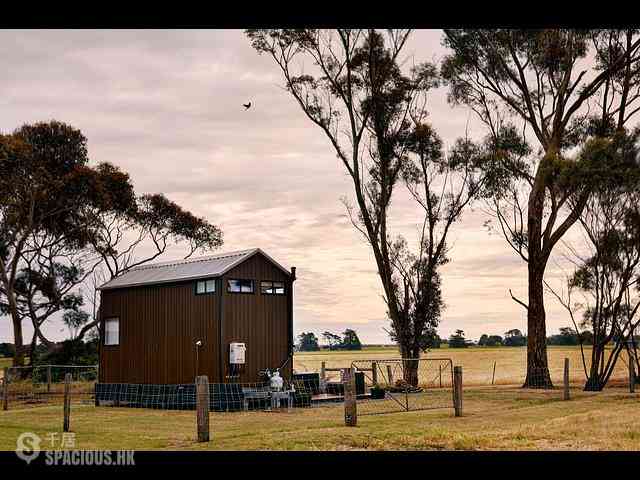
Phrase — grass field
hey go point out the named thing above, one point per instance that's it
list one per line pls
(494, 418)
(499, 417)
(477, 362)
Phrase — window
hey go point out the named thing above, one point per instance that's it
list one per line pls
(205, 286)
(272, 288)
(240, 286)
(112, 331)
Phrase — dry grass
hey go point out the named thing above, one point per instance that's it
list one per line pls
(500, 417)
(494, 418)
(477, 362)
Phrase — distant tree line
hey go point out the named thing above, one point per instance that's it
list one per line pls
(308, 341)
(515, 338)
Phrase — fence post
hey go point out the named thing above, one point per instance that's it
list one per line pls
(440, 373)
(350, 406)
(566, 395)
(457, 390)
(374, 372)
(323, 377)
(202, 407)
(5, 393)
(67, 402)
(390, 374)
(493, 377)
(48, 378)
(632, 375)
(5, 390)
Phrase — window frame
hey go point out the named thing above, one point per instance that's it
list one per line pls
(253, 285)
(104, 340)
(273, 287)
(205, 280)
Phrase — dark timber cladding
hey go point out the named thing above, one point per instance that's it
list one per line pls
(161, 318)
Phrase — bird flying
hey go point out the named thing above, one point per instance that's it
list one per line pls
(246, 105)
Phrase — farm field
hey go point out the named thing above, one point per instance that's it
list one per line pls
(477, 362)
(494, 419)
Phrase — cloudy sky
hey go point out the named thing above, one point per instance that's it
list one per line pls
(166, 107)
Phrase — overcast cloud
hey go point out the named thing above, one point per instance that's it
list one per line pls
(166, 107)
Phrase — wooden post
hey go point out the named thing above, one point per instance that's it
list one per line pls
(323, 377)
(566, 395)
(67, 402)
(48, 378)
(350, 405)
(457, 390)
(440, 373)
(202, 407)
(390, 374)
(493, 377)
(374, 372)
(632, 375)
(5, 389)
(5, 394)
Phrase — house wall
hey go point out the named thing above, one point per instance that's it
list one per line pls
(259, 321)
(160, 324)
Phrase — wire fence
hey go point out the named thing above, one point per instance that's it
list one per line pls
(44, 385)
(399, 385)
(302, 391)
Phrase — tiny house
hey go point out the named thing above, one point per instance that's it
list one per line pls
(228, 316)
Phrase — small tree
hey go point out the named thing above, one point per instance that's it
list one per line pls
(514, 338)
(483, 340)
(457, 340)
(608, 276)
(350, 340)
(308, 342)
(334, 341)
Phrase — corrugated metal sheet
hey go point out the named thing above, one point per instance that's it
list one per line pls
(189, 269)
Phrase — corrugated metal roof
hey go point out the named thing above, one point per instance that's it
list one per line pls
(187, 269)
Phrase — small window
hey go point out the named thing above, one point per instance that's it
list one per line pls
(240, 286)
(205, 286)
(112, 331)
(272, 288)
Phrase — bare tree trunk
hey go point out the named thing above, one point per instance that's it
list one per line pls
(537, 367)
(18, 358)
(410, 367)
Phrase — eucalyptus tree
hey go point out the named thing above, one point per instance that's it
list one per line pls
(607, 276)
(349, 83)
(549, 85)
(46, 186)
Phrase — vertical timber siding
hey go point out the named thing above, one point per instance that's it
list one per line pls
(160, 324)
(259, 321)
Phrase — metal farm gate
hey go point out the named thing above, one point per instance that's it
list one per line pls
(403, 385)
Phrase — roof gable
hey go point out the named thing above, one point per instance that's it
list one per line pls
(187, 269)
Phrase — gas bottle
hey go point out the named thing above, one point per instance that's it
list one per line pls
(276, 381)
